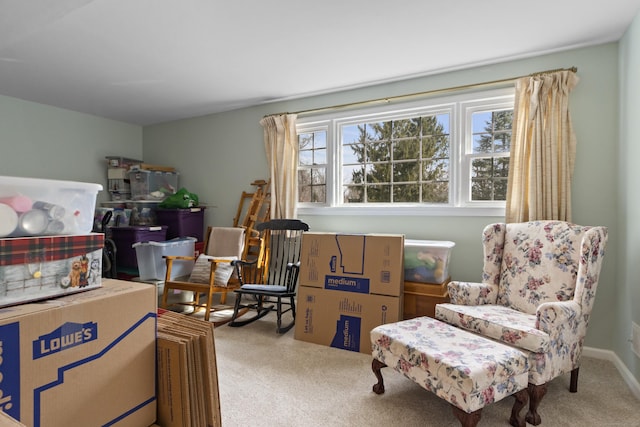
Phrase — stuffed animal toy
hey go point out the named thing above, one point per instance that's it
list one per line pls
(84, 271)
(74, 274)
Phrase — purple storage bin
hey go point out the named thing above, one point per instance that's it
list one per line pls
(125, 237)
(182, 222)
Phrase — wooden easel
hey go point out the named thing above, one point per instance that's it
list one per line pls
(254, 208)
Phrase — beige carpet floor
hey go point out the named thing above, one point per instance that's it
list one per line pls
(268, 379)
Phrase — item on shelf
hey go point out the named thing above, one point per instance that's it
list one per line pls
(143, 212)
(147, 166)
(180, 200)
(120, 217)
(152, 185)
(121, 162)
(46, 206)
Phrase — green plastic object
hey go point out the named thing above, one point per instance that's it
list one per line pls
(182, 199)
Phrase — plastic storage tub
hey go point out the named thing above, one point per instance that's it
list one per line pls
(125, 237)
(119, 217)
(43, 207)
(151, 265)
(152, 185)
(182, 222)
(427, 261)
(143, 212)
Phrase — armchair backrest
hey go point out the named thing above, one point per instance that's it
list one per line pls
(224, 241)
(543, 261)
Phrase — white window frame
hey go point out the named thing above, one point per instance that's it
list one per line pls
(459, 106)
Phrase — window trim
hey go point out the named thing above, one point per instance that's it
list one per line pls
(459, 104)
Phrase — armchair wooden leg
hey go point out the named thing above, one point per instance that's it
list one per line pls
(376, 365)
(573, 387)
(536, 393)
(522, 397)
(467, 420)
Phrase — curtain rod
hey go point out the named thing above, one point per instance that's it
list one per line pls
(429, 92)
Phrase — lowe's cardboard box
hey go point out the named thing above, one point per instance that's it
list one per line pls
(343, 319)
(86, 359)
(358, 263)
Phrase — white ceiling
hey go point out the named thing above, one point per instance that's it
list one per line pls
(150, 61)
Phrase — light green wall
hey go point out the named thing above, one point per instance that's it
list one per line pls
(41, 141)
(219, 155)
(627, 303)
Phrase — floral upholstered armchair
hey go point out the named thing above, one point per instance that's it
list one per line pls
(538, 286)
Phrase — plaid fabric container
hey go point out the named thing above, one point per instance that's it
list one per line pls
(36, 268)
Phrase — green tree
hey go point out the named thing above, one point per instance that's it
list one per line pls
(489, 174)
(403, 160)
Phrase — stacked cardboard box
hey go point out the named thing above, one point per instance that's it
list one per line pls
(82, 359)
(187, 372)
(349, 284)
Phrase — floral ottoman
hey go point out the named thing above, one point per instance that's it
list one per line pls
(465, 369)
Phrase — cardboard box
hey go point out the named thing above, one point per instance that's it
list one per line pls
(420, 299)
(86, 359)
(35, 268)
(359, 263)
(7, 421)
(188, 392)
(343, 319)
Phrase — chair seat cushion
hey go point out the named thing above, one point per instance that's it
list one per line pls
(498, 322)
(264, 288)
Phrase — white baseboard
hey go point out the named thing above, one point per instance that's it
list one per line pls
(609, 355)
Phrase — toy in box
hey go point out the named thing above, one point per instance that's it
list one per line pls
(426, 261)
(37, 268)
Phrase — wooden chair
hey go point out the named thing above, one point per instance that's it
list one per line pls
(273, 278)
(213, 271)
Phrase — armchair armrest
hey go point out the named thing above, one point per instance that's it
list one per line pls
(472, 293)
(552, 317)
(169, 259)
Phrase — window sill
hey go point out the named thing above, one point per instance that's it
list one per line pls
(403, 211)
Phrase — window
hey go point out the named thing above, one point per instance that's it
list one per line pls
(437, 156)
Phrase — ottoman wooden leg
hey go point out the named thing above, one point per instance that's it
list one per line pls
(522, 397)
(536, 393)
(467, 419)
(376, 365)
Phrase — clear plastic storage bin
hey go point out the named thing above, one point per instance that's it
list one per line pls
(152, 265)
(427, 261)
(45, 207)
(152, 185)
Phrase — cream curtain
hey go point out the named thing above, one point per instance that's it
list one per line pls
(543, 149)
(281, 145)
